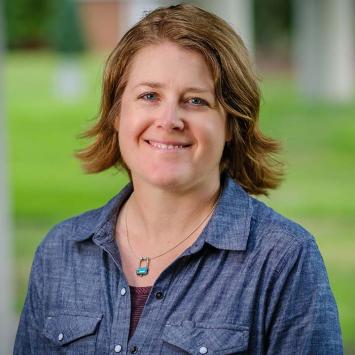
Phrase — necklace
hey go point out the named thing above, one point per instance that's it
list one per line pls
(144, 261)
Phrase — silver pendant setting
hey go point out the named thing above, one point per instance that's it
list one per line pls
(143, 266)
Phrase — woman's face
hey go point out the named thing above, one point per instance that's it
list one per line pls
(171, 127)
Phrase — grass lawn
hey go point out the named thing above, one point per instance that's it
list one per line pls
(47, 184)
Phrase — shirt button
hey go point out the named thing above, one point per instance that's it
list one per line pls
(60, 336)
(159, 295)
(118, 348)
(123, 291)
(134, 349)
(203, 350)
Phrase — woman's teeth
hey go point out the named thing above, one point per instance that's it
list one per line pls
(166, 146)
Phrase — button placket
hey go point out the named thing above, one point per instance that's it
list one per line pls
(134, 349)
(118, 348)
(159, 295)
(203, 350)
(119, 328)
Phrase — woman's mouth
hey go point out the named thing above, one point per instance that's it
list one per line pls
(172, 146)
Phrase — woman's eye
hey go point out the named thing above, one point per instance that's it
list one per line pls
(149, 96)
(198, 101)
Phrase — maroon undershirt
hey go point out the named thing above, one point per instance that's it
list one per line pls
(138, 297)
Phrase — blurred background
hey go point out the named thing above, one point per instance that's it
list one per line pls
(51, 61)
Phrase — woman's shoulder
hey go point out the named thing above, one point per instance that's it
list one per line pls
(73, 228)
(82, 226)
(285, 239)
(265, 219)
(259, 219)
(63, 235)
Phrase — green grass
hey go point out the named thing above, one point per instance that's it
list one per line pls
(47, 184)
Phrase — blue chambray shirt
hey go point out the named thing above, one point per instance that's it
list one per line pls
(253, 283)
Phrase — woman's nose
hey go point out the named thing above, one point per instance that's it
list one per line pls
(170, 118)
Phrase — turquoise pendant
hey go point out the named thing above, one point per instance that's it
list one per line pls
(143, 267)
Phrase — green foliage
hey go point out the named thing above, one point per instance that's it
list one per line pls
(67, 36)
(272, 21)
(26, 22)
(35, 23)
(43, 23)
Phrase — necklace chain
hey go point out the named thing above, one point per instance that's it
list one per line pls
(174, 247)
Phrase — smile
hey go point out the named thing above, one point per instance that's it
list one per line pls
(167, 146)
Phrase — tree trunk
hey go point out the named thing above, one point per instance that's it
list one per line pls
(6, 295)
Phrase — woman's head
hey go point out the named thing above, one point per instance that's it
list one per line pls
(247, 156)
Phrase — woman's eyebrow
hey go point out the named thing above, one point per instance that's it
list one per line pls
(157, 85)
(199, 89)
(152, 84)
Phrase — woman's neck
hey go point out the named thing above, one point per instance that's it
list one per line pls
(165, 217)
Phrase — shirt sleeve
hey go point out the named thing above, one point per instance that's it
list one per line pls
(29, 339)
(303, 316)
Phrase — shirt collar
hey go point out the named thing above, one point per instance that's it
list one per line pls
(228, 227)
(93, 222)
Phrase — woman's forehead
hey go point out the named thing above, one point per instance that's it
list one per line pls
(166, 64)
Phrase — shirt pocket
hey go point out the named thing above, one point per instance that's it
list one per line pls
(72, 332)
(204, 338)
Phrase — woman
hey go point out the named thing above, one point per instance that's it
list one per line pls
(216, 270)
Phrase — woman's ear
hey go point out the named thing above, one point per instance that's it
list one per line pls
(228, 136)
(116, 123)
(228, 130)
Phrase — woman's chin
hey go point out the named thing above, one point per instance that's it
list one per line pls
(172, 181)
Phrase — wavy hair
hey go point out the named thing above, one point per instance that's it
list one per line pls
(249, 157)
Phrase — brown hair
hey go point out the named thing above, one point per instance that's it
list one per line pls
(249, 156)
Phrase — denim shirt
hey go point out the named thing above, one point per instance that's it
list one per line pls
(253, 282)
